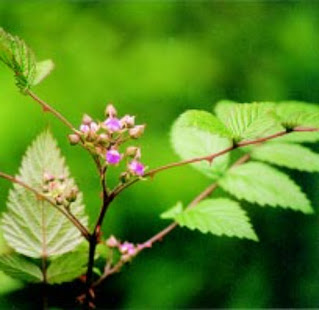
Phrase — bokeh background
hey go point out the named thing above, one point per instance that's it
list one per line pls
(155, 59)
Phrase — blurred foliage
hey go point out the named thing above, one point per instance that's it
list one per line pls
(154, 60)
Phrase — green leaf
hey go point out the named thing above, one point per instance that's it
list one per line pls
(294, 113)
(67, 267)
(218, 216)
(247, 121)
(197, 134)
(19, 58)
(31, 226)
(17, 266)
(264, 185)
(171, 213)
(43, 69)
(287, 155)
(299, 137)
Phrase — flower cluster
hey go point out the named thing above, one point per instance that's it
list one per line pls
(60, 189)
(105, 138)
(127, 249)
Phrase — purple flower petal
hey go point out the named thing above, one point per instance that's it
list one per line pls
(113, 124)
(137, 168)
(113, 157)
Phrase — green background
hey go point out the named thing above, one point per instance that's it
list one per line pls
(154, 60)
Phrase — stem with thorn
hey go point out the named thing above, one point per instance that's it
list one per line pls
(109, 270)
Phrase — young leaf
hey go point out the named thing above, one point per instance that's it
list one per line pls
(264, 185)
(294, 113)
(67, 267)
(248, 121)
(21, 60)
(218, 216)
(172, 212)
(43, 69)
(17, 266)
(287, 155)
(199, 133)
(31, 226)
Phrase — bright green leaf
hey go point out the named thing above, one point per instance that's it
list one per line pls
(264, 185)
(17, 266)
(287, 155)
(294, 113)
(67, 267)
(171, 213)
(32, 226)
(43, 69)
(248, 121)
(19, 58)
(199, 133)
(218, 216)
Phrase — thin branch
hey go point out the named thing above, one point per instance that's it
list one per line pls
(48, 108)
(211, 157)
(41, 196)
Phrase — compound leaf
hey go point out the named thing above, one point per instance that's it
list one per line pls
(288, 155)
(197, 134)
(264, 185)
(218, 216)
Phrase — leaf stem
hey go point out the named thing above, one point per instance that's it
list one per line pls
(41, 196)
(48, 108)
(163, 233)
(211, 157)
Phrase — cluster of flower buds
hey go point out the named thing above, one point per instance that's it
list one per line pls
(60, 189)
(127, 249)
(104, 139)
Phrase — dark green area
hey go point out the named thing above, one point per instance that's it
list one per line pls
(155, 60)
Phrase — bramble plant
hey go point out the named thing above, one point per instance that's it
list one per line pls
(237, 147)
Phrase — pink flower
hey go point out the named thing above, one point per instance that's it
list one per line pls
(113, 124)
(113, 157)
(136, 168)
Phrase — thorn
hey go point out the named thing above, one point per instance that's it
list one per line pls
(45, 109)
(210, 160)
(92, 294)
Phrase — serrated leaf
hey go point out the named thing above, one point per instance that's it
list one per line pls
(67, 267)
(43, 69)
(19, 58)
(264, 185)
(31, 226)
(17, 266)
(299, 137)
(199, 133)
(247, 121)
(287, 155)
(172, 212)
(294, 113)
(218, 216)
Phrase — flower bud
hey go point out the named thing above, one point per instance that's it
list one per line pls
(113, 157)
(72, 195)
(74, 139)
(128, 121)
(113, 124)
(136, 131)
(132, 151)
(94, 127)
(136, 168)
(48, 177)
(110, 110)
(124, 177)
(85, 128)
(112, 242)
(59, 200)
(86, 120)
